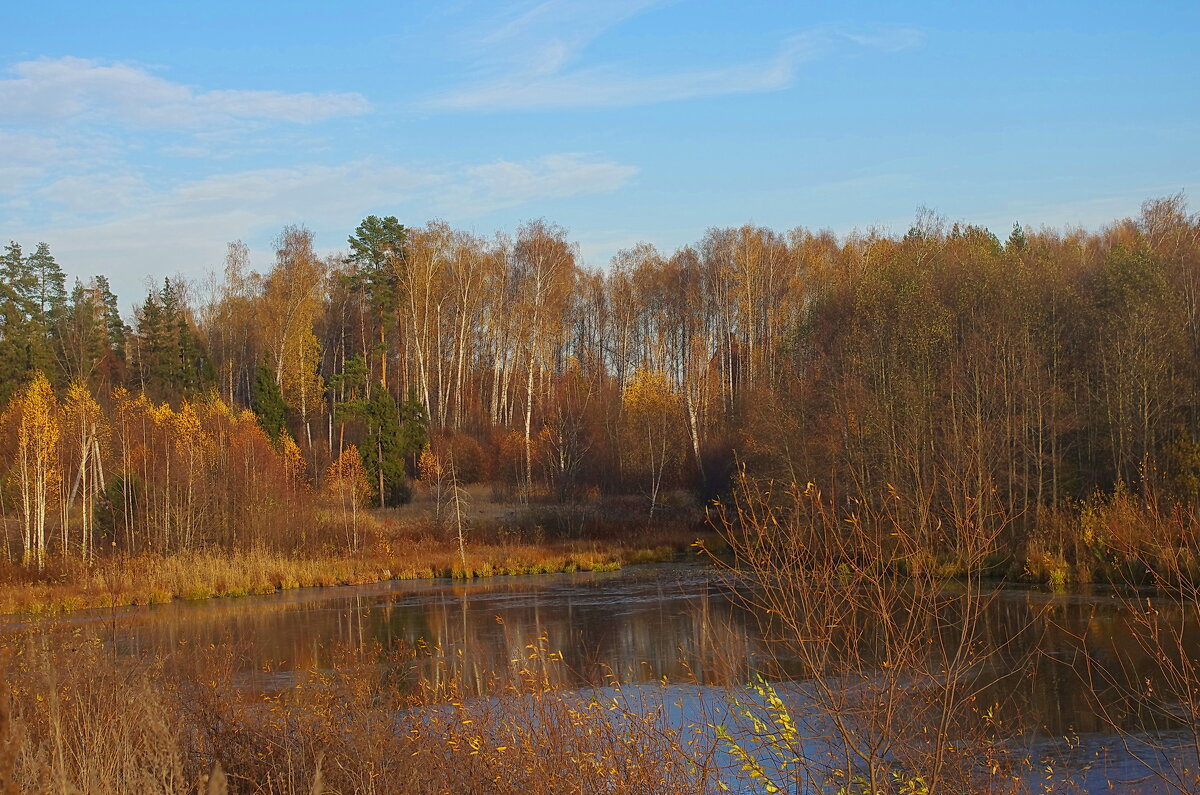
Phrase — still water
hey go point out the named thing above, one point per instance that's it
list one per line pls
(640, 624)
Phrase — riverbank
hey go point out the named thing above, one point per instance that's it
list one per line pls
(399, 548)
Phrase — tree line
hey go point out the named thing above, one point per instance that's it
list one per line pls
(967, 380)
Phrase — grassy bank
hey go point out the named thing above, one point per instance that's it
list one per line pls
(397, 547)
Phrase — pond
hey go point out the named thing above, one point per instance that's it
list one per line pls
(642, 624)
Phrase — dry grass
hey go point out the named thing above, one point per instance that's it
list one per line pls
(395, 550)
(78, 720)
(1119, 538)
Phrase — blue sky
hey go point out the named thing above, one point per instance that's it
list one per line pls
(139, 138)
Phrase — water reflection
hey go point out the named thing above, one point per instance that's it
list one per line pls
(639, 624)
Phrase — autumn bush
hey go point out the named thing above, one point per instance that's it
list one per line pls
(892, 656)
(1115, 538)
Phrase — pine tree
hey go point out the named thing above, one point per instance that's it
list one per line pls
(49, 303)
(17, 287)
(50, 286)
(414, 430)
(377, 244)
(378, 249)
(268, 404)
(117, 330)
(113, 367)
(192, 368)
(395, 434)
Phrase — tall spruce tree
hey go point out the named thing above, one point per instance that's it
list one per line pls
(117, 330)
(171, 362)
(33, 298)
(268, 403)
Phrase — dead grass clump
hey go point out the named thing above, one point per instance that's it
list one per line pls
(78, 722)
(1116, 538)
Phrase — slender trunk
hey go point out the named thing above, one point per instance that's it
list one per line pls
(379, 461)
(694, 432)
(382, 357)
(26, 507)
(528, 430)
(462, 547)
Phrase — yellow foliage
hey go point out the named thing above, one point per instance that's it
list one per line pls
(301, 382)
(84, 417)
(346, 477)
(80, 402)
(293, 459)
(186, 425)
(38, 431)
(652, 428)
(649, 396)
(36, 413)
(428, 466)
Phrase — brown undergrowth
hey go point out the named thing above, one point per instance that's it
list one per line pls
(1119, 538)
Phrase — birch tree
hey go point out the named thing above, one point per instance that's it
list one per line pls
(545, 264)
(34, 413)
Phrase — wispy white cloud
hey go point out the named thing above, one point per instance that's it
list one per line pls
(94, 193)
(542, 37)
(76, 134)
(28, 148)
(24, 157)
(544, 77)
(59, 89)
(319, 190)
(492, 186)
(887, 39)
(583, 19)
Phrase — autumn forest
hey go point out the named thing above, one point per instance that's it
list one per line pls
(1042, 387)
